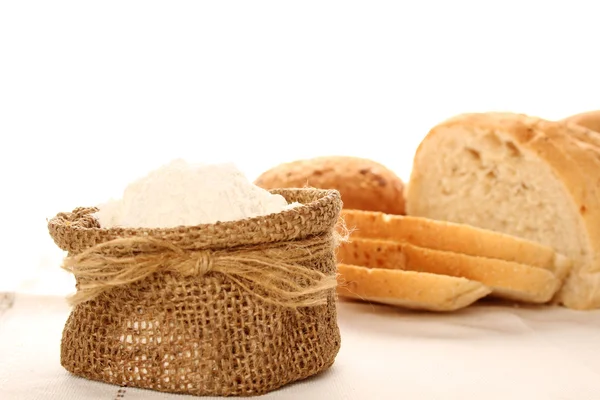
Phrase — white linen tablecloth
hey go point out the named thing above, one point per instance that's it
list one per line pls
(489, 351)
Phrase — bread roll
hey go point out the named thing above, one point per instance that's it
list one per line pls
(362, 183)
(521, 176)
(408, 289)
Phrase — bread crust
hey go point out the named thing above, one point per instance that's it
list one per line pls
(588, 119)
(583, 285)
(543, 139)
(408, 289)
(506, 279)
(363, 184)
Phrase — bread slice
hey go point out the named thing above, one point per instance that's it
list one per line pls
(506, 279)
(457, 238)
(414, 290)
(514, 174)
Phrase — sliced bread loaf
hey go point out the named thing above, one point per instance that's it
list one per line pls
(408, 289)
(582, 148)
(521, 176)
(506, 279)
(453, 237)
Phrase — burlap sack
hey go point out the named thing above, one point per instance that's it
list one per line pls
(186, 323)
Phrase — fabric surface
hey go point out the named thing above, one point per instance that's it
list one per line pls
(489, 351)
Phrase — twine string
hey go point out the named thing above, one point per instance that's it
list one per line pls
(274, 273)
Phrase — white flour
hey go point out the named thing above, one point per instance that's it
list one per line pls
(181, 193)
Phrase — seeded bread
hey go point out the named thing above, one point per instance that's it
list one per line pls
(363, 184)
(408, 289)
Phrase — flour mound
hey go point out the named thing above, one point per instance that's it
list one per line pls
(180, 193)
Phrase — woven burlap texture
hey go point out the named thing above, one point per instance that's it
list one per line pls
(203, 335)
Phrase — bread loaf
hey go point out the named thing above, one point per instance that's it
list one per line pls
(457, 238)
(583, 134)
(506, 279)
(590, 120)
(408, 289)
(521, 176)
(363, 184)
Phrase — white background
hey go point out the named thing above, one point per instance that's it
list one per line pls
(95, 94)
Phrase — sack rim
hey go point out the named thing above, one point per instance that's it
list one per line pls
(307, 218)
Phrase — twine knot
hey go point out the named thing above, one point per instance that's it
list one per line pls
(197, 264)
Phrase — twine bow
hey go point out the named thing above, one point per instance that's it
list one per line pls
(274, 274)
